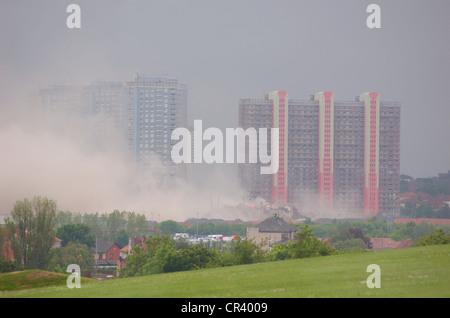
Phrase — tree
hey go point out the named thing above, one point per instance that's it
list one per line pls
(72, 253)
(404, 186)
(149, 259)
(193, 257)
(135, 262)
(435, 189)
(9, 266)
(159, 255)
(436, 238)
(424, 211)
(63, 217)
(306, 244)
(246, 251)
(3, 242)
(94, 221)
(6, 265)
(354, 244)
(32, 231)
(280, 252)
(77, 233)
(224, 229)
(136, 224)
(412, 231)
(351, 234)
(443, 213)
(122, 238)
(170, 228)
(203, 228)
(408, 210)
(116, 221)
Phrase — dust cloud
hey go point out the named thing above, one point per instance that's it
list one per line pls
(55, 156)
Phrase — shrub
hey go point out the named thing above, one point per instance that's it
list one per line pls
(308, 245)
(246, 251)
(436, 238)
(9, 266)
(280, 252)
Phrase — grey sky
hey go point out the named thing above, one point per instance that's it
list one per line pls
(226, 50)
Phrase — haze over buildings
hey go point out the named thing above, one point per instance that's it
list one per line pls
(141, 113)
(336, 157)
(224, 51)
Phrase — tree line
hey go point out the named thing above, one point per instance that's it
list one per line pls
(375, 228)
(425, 211)
(162, 255)
(33, 226)
(31, 230)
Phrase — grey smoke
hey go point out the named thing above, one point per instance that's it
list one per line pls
(48, 158)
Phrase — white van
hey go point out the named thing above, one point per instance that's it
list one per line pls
(183, 236)
(215, 237)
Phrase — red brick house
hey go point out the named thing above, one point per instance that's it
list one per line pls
(6, 251)
(384, 243)
(107, 253)
(128, 249)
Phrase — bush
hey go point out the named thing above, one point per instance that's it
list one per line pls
(76, 233)
(354, 236)
(9, 266)
(436, 238)
(351, 245)
(160, 255)
(193, 257)
(308, 245)
(246, 251)
(73, 253)
(280, 252)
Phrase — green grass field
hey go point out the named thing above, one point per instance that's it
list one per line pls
(410, 272)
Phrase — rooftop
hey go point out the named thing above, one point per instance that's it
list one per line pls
(103, 246)
(275, 224)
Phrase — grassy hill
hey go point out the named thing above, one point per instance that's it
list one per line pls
(410, 272)
(32, 279)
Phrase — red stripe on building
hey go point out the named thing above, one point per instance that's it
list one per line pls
(371, 186)
(279, 181)
(325, 176)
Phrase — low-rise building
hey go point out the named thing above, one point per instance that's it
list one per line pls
(272, 230)
(385, 243)
(107, 253)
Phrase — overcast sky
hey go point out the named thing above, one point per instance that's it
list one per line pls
(231, 49)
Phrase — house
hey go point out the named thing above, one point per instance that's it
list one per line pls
(406, 243)
(274, 229)
(6, 251)
(127, 249)
(408, 197)
(417, 199)
(384, 243)
(422, 220)
(124, 251)
(107, 253)
(57, 243)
